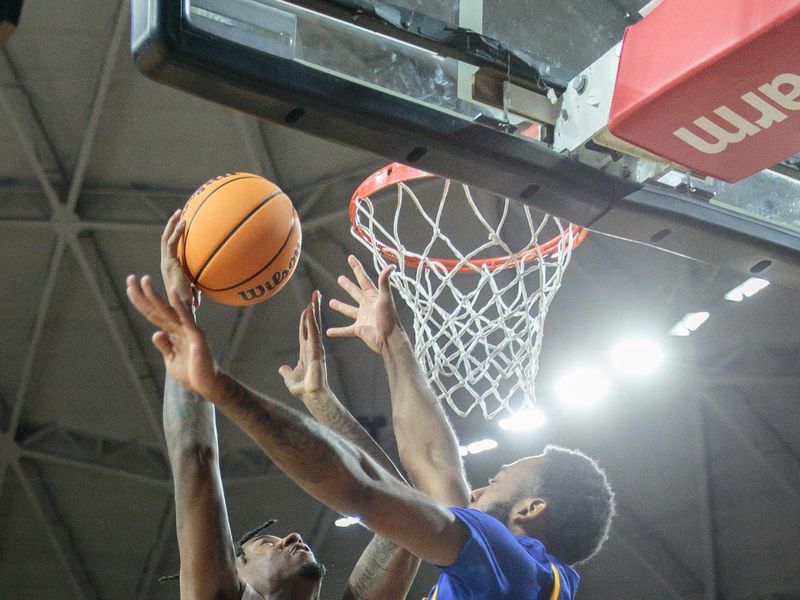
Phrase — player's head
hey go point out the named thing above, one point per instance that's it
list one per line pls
(561, 497)
(270, 563)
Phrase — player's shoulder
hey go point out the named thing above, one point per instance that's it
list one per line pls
(473, 515)
(476, 519)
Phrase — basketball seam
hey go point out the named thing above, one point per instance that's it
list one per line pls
(189, 224)
(266, 266)
(236, 228)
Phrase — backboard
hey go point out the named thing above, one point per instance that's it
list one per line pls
(450, 87)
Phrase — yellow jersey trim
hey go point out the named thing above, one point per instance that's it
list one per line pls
(556, 583)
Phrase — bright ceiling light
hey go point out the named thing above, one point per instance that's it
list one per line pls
(526, 419)
(689, 323)
(582, 387)
(346, 521)
(749, 288)
(636, 357)
(478, 447)
(481, 446)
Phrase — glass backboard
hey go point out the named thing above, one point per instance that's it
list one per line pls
(467, 89)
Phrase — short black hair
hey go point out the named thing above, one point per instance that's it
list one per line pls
(580, 503)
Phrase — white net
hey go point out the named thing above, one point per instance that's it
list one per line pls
(478, 313)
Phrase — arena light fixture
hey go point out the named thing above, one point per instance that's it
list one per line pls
(478, 447)
(346, 521)
(527, 419)
(689, 323)
(744, 290)
(636, 357)
(582, 387)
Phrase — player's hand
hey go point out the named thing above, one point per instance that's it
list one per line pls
(375, 317)
(309, 379)
(172, 273)
(181, 342)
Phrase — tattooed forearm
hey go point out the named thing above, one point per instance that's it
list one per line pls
(188, 418)
(204, 539)
(384, 572)
(371, 567)
(330, 412)
(299, 446)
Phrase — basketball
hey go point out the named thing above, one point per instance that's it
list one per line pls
(242, 239)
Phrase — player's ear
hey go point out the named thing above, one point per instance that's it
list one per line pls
(528, 510)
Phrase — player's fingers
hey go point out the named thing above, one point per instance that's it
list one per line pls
(288, 380)
(349, 331)
(162, 342)
(179, 308)
(314, 326)
(162, 315)
(140, 301)
(361, 275)
(170, 228)
(316, 305)
(351, 288)
(197, 297)
(133, 289)
(383, 279)
(304, 326)
(303, 332)
(172, 242)
(346, 309)
(300, 337)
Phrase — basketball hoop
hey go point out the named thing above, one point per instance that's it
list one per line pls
(478, 314)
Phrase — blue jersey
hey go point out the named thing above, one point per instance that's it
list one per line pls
(496, 565)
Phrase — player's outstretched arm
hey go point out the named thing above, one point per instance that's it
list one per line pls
(208, 564)
(328, 467)
(426, 441)
(385, 571)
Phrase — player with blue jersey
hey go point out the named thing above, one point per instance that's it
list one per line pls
(496, 564)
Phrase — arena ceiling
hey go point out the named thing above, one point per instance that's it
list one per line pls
(704, 455)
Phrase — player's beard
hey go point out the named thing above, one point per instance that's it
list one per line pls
(312, 571)
(501, 510)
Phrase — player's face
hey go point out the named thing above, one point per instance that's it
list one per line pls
(503, 492)
(267, 561)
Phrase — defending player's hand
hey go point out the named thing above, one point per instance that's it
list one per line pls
(375, 317)
(309, 378)
(181, 342)
(172, 273)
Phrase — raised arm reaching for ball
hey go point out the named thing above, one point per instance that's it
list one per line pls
(384, 571)
(426, 441)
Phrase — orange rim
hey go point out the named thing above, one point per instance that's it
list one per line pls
(395, 173)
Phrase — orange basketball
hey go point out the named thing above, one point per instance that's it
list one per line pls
(242, 239)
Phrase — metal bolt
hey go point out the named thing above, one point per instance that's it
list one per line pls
(580, 83)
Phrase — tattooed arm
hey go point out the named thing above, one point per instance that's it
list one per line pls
(384, 571)
(208, 564)
(328, 467)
